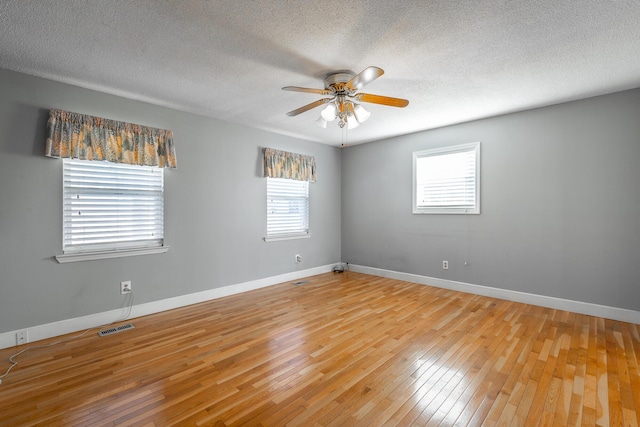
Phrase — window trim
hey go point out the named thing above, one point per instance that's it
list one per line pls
(106, 252)
(292, 235)
(92, 256)
(473, 146)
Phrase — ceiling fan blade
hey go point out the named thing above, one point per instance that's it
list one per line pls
(384, 100)
(308, 107)
(368, 75)
(307, 90)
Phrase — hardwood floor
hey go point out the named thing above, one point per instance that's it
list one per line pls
(342, 349)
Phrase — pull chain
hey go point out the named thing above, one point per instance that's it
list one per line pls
(345, 137)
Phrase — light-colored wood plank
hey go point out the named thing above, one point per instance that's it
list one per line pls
(343, 349)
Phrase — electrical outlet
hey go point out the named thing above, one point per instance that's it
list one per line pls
(445, 265)
(125, 287)
(22, 337)
(298, 258)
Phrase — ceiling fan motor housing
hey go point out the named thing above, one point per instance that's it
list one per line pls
(341, 77)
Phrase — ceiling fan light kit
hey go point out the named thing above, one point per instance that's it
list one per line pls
(321, 122)
(343, 103)
(329, 112)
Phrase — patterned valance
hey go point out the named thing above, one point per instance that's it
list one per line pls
(78, 136)
(283, 164)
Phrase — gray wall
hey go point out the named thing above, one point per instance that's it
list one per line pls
(215, 209)
(560, 207)
(560, 204)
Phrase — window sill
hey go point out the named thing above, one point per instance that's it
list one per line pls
(290, 237)
(446, 211)
(92, 256)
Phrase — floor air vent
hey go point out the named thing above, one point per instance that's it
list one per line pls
(301, 283)
(116, 329)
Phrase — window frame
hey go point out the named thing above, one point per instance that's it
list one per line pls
(296, 234)
(120, 248)
(442, 151)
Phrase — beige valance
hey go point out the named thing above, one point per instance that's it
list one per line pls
(79, 136)
(283, 164)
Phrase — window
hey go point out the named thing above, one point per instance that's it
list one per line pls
(287, 209)
(109, 207)
(447, 180)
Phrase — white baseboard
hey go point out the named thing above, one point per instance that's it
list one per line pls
(49, 330)
(597, 310)
(40, 332)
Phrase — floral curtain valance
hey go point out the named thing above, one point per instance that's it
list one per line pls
(79, 136)
(283, 164)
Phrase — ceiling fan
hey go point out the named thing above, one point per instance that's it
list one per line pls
(343, 101)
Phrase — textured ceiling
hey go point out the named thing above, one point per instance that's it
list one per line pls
(454, 60)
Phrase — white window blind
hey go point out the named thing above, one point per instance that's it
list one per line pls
(446, 180)
(287, 207)
(110, 207)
